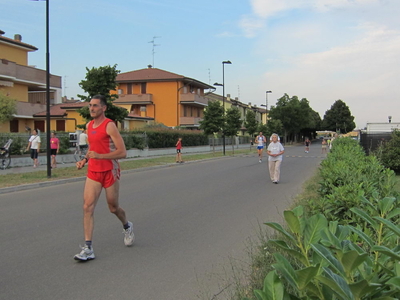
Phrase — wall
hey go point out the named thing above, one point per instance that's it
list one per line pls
(18, 92)
(165, 100)
(14, 54)
(70, 124)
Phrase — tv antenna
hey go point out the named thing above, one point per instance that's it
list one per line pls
(154, 45)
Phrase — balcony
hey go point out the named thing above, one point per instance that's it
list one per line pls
(190, 121)
(134, 99)
(193, 99)
(29, 76)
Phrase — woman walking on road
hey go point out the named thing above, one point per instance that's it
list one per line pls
(275, 151)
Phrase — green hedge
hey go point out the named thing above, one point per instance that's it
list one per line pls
(346, 244)
(346, 175)
(166, 138)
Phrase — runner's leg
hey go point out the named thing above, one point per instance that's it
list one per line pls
(91, 195)
(112, 195)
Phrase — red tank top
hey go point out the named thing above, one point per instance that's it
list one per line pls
(100, 142)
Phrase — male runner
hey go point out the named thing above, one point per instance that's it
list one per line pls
(260, 140)
(105, 147)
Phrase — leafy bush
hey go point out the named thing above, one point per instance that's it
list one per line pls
(321, 259)
(345, 175)
(166, 137)
(133, 140)
(388, 153)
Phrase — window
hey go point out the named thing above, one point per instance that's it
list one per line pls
(143, 89)
(143, 108)
(129, 88)
(13, 126)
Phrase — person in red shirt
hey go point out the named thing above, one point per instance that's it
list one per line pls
(54, 148)
(105, 147)
(179, 151)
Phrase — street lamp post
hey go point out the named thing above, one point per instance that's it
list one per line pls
(228, 62)
(47, 89)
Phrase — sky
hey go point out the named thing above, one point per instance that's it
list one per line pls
(321, 50)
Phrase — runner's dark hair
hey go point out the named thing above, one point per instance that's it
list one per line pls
(102, 99)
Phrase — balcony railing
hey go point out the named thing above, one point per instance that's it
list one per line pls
(194, 99)
(28, 75)
(190, 121)
(135, 98)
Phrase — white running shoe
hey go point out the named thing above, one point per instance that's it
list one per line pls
(129, 236)
(86, 254)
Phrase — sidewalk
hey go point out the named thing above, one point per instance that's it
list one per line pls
(68, 160)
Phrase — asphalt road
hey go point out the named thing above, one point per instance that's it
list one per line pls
(188, 220)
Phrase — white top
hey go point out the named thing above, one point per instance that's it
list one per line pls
(260, 140)
(82, 139)
(34, 140)
(275, 148)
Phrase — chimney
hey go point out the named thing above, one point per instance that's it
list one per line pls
(18, 37)
(149, 66)
(228, 97)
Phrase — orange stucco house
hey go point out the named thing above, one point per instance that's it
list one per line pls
(155, 95)
(24, 83)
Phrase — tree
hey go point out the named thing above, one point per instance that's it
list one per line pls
(274, 126)
(251, 123)
(296, 116)
(233, 123)
(338, 118)
(213, 119)
(100, 81)
(8, 108)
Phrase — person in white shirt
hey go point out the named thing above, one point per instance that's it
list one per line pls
(260, 140)
(34, 146)
(275, 151)
(83, 140)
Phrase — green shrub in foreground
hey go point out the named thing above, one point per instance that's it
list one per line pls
(346, 175)
(321, 259)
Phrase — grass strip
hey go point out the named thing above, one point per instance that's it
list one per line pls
(8, 180)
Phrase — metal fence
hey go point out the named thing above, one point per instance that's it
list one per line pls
(238, 140)
(371, 141)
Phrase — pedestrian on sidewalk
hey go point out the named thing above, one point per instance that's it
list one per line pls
(83, 140)
(179, 150)
(275, 151)
(54, 148)
(106, 146)
(34, 146)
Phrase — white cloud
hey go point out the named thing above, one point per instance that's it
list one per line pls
(250, 25)
(263, 9)
(362, 73)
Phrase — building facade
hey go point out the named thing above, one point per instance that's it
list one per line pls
(156, 96)
(24, 83)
